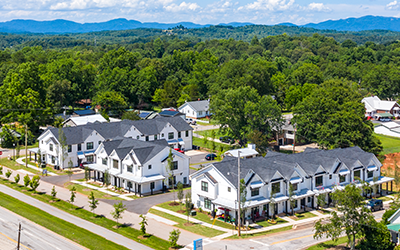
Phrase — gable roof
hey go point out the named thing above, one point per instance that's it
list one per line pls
(82, 120)
(198, 105)
(373, 103)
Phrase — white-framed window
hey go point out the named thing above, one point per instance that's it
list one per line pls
(115, 164)
(51, 147)
(149, 167)
(204, 186)
(255, 192)
(370, 174)
(129, 168)
(319, 181)
(342, 178)
(89, 145)
(170, 135)
(104, 161)
(229, 189)
(276, 187)
(207, 203)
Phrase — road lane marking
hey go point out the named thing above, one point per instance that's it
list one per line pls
(28, 233)
(15, 241)
(283, 241)
(259, 242)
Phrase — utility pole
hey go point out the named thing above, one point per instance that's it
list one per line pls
(238, 190)
(26, 145)
(19, 235)
(294, 139)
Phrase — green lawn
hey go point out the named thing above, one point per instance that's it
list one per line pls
(302, 216)
(267, 224)
(15, 166)
(129, 232)
(200, 142)
(218, 133)
(48, 167)
(245, 236)
(328, 244)
(194, 228)
(86, 191)
(61, 227)
(390, 144)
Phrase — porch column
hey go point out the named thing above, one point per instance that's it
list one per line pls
(391, 186)
(312, 201)
(380, 189)
(135, 189)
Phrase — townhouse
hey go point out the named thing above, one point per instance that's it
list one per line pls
(268, 179)
(83, 140)
(139, 166)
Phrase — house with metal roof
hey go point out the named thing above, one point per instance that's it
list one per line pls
(196, 109)
(139, 166)
(378, 109)
(268, 179)
(82, 120)
(83, 140)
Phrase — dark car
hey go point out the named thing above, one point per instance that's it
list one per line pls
(226, 139)
(210, 157)
(375, 204)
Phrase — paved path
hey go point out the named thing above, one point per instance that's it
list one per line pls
(109, 235)
(103, 190)
(20, 161)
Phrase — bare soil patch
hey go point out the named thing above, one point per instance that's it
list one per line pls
(174, 203)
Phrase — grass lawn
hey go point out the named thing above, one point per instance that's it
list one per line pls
(86, 191)
(200, 142)
(200, 216)
(245, 236)
(218, 133)
(390, 144)
(129, 232)
(267, 224)
(59, 226)
(15, 166)
(194, 228)
(49, 168)
(302, 216)
(328, 244)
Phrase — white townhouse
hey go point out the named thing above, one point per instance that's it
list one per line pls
(377, 108)
(196, 109)
(139, 166)
(311, 173)
(83, 140)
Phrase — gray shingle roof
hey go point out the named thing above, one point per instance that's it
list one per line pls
(199, 105)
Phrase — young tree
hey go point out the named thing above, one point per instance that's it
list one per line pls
(27, 180)
(17, 178)
(1, 170)
(350, 217)
(188, 204)
(292, 200)
(17, 151)
(8, 174)
(174, 237)
(53, 193)
(69, 173)
(87, 169)
(243, 199)
(34, 183)
(39, 159)
(143, 224)
(374, 186)
(93, 203)
(321, 200)
(170, 171)
(180, 193)
(62, 147)
(106, 178)
(73, 195)
(119, 208)
(205, 138)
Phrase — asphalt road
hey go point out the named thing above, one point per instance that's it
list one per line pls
(33, 236)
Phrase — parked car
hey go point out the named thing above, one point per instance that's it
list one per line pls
(191, 121)
(210, 157)
(179, 150)
(374, 205)
(385, 119)
(226, 139)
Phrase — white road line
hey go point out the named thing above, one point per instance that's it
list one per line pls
(259, 242)
(2, 220)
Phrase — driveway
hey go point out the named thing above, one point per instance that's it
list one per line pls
(61, 179)
(142, 205)
(197, 156)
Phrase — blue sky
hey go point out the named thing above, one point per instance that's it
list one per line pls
(197, 11)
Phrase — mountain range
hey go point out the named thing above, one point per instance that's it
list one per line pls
(64, 26)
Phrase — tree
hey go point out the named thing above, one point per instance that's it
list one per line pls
(143, 224)
(243, 110)
(27, 180)
(53, 193)
(170, 171)
(69, 173)
(1, 170)
(188, 204)
(130, 115)
(111, 102)
(350, 217)
(93, 203)
(321, 200)
(292, 200)
(377, 236)
(180, 193)
(374, 186)
(62, 147)
(87, 171)
(174, 237)
(8, 138)
(17, 178)
(39, 159)
(8, 174)
(106, 178)
(243, 199)
(73, 195)
(333, 116)
(34, 183)
(119, 208)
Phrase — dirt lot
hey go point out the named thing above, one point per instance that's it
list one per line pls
(388, 168)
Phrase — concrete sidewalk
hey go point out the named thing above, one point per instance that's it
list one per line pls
(20, 161)
(104, 190)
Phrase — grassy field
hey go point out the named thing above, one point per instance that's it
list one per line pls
(245, 236)
(48, 167)
(61, 227)
(390, 144)
(267, 224)
(86, 191)
(129, 232)
(200, 216)
(194, 228)
(328, 244)
(218, 133)
(302, 216)
(15, 166)
(218, 146)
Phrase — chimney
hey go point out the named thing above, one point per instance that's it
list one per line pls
(251, 146)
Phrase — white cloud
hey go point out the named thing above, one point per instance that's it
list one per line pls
(182, 7)
(271, 5)
(393, 5)
(318, 7)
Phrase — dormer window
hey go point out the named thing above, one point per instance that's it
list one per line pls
(170, 135)
(129, 168)
(255, 192)
(276, 187)
(319, 181)
(115, 164)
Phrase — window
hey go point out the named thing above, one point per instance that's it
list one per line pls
(115, 164)
(129, 168)
(229, 189)
(152, 185)
(149, 166)
(179, 134)
(162, 135)
(308, 199)
(171, 135)
(170, 181)
(200, 112)
(174, 165)
(89, 158)
(276, 187)
(370, 174)
(51, 147)
(319, 181)
(294, 186)
(187, 133)
(184, 180)
(255, 192)
(357, 174)
(79, 147)
(155, 137)
(137, 137)
(204, 186)
(207, 204)
(104, 161)
(330, 177)
(342, 178)
(147, 138)
(69, 148)
(89, 145)
(53, 159)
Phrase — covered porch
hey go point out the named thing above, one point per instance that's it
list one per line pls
(98, 171)
(142, 185)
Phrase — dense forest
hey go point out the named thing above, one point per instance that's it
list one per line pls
(36, 82)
